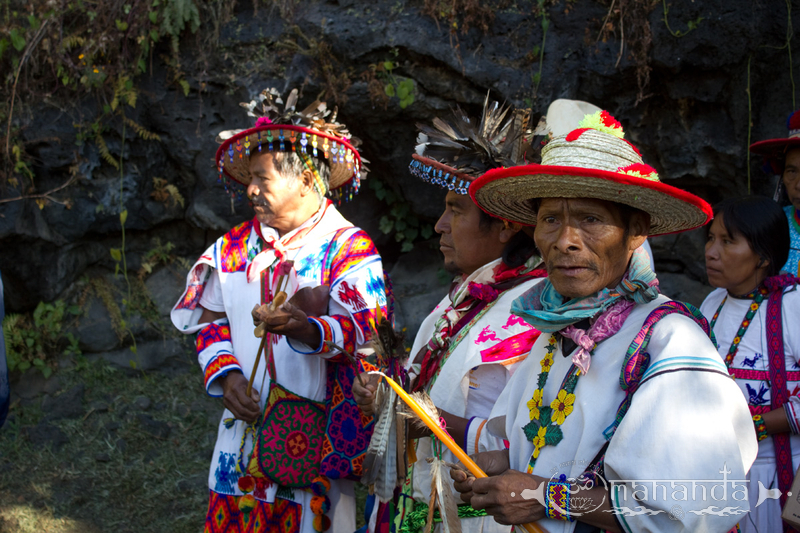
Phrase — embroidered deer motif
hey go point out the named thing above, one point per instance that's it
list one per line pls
(752, 362)
(757, 398)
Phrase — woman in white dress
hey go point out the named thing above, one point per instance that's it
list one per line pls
(751, 309)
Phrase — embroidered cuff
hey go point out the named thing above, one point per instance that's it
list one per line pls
(215, 354)
(325, 334)
(466, 434)
(558, 501)
(791, 414)
(472, 435)
(218, 367)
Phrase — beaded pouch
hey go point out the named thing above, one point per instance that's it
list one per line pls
(288, 443)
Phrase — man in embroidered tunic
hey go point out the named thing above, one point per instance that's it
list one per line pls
(783, 155)
(297, 239)
(468, 346)
(609, 343)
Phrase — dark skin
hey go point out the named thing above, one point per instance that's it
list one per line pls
(586, 248)
(494, 493)
(466, 246)
(791, 176)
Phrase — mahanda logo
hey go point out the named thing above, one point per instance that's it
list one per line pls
(667, 492)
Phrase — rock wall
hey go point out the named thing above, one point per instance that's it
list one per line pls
(690, 122)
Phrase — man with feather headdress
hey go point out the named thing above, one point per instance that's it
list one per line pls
(311, 435)
(469, 345)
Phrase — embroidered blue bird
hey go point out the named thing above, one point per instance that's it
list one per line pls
(752, 362)
(757, 398)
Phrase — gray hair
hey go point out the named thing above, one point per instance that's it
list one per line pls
(289, 165)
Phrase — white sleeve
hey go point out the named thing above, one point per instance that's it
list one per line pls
(686, 395)
(212, 294)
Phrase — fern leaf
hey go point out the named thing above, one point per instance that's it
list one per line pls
(140, 130)
(104, 152)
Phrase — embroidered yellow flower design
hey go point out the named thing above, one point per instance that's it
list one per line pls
(534, 404)
(538, 441)
(562, 406)
(546, 363)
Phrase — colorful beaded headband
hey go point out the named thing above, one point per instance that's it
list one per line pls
(454, 152)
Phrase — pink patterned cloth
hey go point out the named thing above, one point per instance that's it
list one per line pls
(606, 325)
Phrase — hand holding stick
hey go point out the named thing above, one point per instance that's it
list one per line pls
(446, 439)
(261, 330)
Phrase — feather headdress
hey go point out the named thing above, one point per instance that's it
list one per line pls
(280, 127)
(451, 153)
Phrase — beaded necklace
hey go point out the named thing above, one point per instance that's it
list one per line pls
(544, 429)
(757, 296)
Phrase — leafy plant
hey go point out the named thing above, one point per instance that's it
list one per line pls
(166, 193)
(36, 340)
(403, 89)
(401, 221)
(691, 25)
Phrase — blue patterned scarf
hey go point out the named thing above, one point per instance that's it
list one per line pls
(545, 309)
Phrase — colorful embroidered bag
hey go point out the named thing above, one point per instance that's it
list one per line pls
(288, 443)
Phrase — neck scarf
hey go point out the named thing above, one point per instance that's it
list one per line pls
(468, 295)
(545, 309)
(277, 248)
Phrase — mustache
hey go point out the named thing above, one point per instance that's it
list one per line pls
(553, 264)
(257, 202)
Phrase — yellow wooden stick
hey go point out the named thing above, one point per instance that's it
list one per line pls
(447, 440)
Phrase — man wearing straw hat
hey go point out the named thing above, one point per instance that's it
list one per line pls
(623, 417)
(783, 156)
(469, 345)
(289, 162)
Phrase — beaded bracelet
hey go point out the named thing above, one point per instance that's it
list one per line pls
(558, 495)
(761, 427)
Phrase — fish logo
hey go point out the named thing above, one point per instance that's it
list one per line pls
(764, 493)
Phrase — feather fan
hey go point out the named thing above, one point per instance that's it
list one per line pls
(380, 467)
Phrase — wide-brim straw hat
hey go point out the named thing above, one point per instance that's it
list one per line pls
(774, 148)
(311, 132)
(590, 162)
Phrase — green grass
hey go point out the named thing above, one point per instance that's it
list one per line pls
(95, 483)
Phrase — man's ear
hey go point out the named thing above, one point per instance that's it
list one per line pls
(306, 182)
(638, 229)
(509, 230)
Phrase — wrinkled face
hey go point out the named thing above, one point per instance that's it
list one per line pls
(730, 261)
(584, 245)
(465, 245)
(791, 176)
(275, 197)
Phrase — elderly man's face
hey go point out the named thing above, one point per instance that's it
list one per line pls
(465, 244)
(276, 198)
(791, 176)
(583, 243)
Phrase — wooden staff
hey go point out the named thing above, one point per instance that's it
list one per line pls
(261, 331)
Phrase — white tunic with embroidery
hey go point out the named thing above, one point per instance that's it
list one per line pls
(469, 382)
(687, 421)
(751, 365)
(227, 279)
